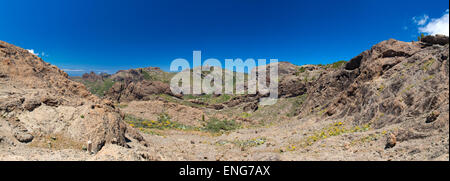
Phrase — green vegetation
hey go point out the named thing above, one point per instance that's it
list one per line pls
(99, 88)
(156, 75)
(334, 65)
(146, 75)
(305, 78)
(203, 118)
(217, 100)
(301, 69)
(408, 65)
(369, 138)
(428, 63)
(419, 38)
(428, 78)
(82, 116)
(408, 88)
(210, 99)
(334, 129)
(163, 122)
(169, 98)
(245, 115)
(321, 112)
(266, 115)
(244, 143)
(122, 105)
(381, 88)
(298, 101)
(188, 96)
(337, 64)
(217, 125)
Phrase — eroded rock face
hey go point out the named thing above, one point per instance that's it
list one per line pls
(93, 77)
(129, 91)
(40, 99)
(132, 84)
(393, 82)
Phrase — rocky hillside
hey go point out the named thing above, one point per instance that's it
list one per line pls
(393, 82)
(390, 102)
(392, 78)
(405, 84)
(127, 85)
(41, 107)
(396, 91)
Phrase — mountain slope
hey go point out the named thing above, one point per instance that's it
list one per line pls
(390, 102)
(41, 107)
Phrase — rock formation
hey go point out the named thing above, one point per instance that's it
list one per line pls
(38, 99)
(389, 102)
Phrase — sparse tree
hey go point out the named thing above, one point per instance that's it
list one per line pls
(419, 38)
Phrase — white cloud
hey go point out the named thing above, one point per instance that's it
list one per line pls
(437, 26)
(421, 20)
(73, 70)
(32, 52)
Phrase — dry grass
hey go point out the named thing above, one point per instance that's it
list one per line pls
(334, 129)
(56, 142)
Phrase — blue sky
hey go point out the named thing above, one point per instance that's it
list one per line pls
(107, 36)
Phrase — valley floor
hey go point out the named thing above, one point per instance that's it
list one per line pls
(293, 140)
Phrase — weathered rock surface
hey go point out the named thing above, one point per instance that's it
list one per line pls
(394, 81)
(390, 102)
(37, 98)
(93, 77)
(129, 91)
(129, 85)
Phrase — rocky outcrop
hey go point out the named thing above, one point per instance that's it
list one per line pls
(392, 83)
(129, 91)
(93, 77)
(437, 39)
(139, 74)
(128, 85)
(37, 98)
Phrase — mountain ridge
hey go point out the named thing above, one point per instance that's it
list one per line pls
(389, 102)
